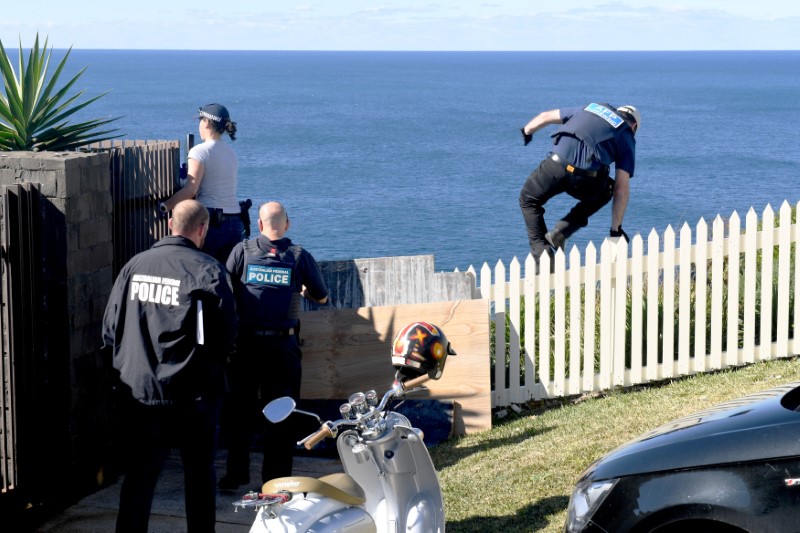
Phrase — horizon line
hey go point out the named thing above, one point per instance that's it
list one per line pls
(418, 51)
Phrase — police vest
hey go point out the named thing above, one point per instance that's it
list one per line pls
(594, 125)
(270, 298)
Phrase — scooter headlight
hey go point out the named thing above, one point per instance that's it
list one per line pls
(585, 499)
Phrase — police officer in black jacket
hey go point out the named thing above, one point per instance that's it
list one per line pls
(269, 275)
(590, 139)
(170, 323)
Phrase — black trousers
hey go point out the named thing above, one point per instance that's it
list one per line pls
(550, 179)
(151, 432)
(264, 368)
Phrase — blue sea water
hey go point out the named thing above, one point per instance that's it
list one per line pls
(404, 153)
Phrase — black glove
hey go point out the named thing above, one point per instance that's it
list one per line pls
(244, 208)
(526, 137)
(619, 233)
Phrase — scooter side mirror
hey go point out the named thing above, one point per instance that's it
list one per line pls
(279, 409)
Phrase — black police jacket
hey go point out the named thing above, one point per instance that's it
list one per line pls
(170, 323)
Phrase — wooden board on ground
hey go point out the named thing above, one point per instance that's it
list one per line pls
(348, 350)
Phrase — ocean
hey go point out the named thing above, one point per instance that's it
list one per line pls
(404, 153)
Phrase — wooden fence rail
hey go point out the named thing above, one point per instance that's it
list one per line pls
(646, 310)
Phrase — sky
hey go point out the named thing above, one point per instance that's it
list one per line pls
(436, 25)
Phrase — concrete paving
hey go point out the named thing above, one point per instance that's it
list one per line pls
(98, 512)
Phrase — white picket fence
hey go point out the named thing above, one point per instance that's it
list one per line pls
(590, 327)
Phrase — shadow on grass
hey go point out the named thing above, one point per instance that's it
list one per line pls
(534, 517)
(447, 454)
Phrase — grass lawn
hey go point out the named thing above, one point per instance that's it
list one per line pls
(518, 476)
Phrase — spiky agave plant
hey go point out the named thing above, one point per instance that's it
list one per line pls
(33, 112)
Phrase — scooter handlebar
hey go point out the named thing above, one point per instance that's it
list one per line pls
(314, 439)
(416, 382)
(327, 429)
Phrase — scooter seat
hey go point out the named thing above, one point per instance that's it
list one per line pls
(339, 486)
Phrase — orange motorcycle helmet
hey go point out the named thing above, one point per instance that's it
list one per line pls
(420, 348)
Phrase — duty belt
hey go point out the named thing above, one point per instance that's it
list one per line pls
(571, 169)
(273, 332)
(213, 211)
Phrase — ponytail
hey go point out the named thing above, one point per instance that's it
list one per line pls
(230, 128)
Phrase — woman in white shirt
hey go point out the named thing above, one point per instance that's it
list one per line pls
(211, 179)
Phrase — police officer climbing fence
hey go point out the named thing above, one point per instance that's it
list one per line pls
(270, 274)
(590, 139)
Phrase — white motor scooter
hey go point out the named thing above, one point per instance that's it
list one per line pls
(389, 484)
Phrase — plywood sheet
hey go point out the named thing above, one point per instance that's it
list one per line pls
(348, 350)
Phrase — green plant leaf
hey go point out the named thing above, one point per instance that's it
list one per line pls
(34, 108)
(9, 77)
(5, 111)
(46, 101)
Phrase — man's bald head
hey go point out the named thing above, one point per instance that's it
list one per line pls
(273, 221)
(190, 220)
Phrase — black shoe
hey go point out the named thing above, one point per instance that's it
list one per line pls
(231, 483)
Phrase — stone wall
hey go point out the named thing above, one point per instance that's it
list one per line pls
(77, 253)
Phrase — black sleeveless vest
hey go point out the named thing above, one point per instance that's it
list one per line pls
(270, 298)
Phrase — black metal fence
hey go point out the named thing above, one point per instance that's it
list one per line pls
(21, 307)
(143, 173)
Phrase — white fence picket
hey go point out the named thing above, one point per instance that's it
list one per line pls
(701, 296)
(606, 314)
(619, 312)
(532, 389)
(590, 318)
(544, 334)
(637, 309)
(684, 300)
(514, 322)
(716, 317)
(749, 314)
(767, 243)
(501, 391)
(575, 307)
(796, 239)
(559, 325)
(486, 282)
(637, 299)
(668, 299)
(733, 317)
(652, 310)
(784, 250)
